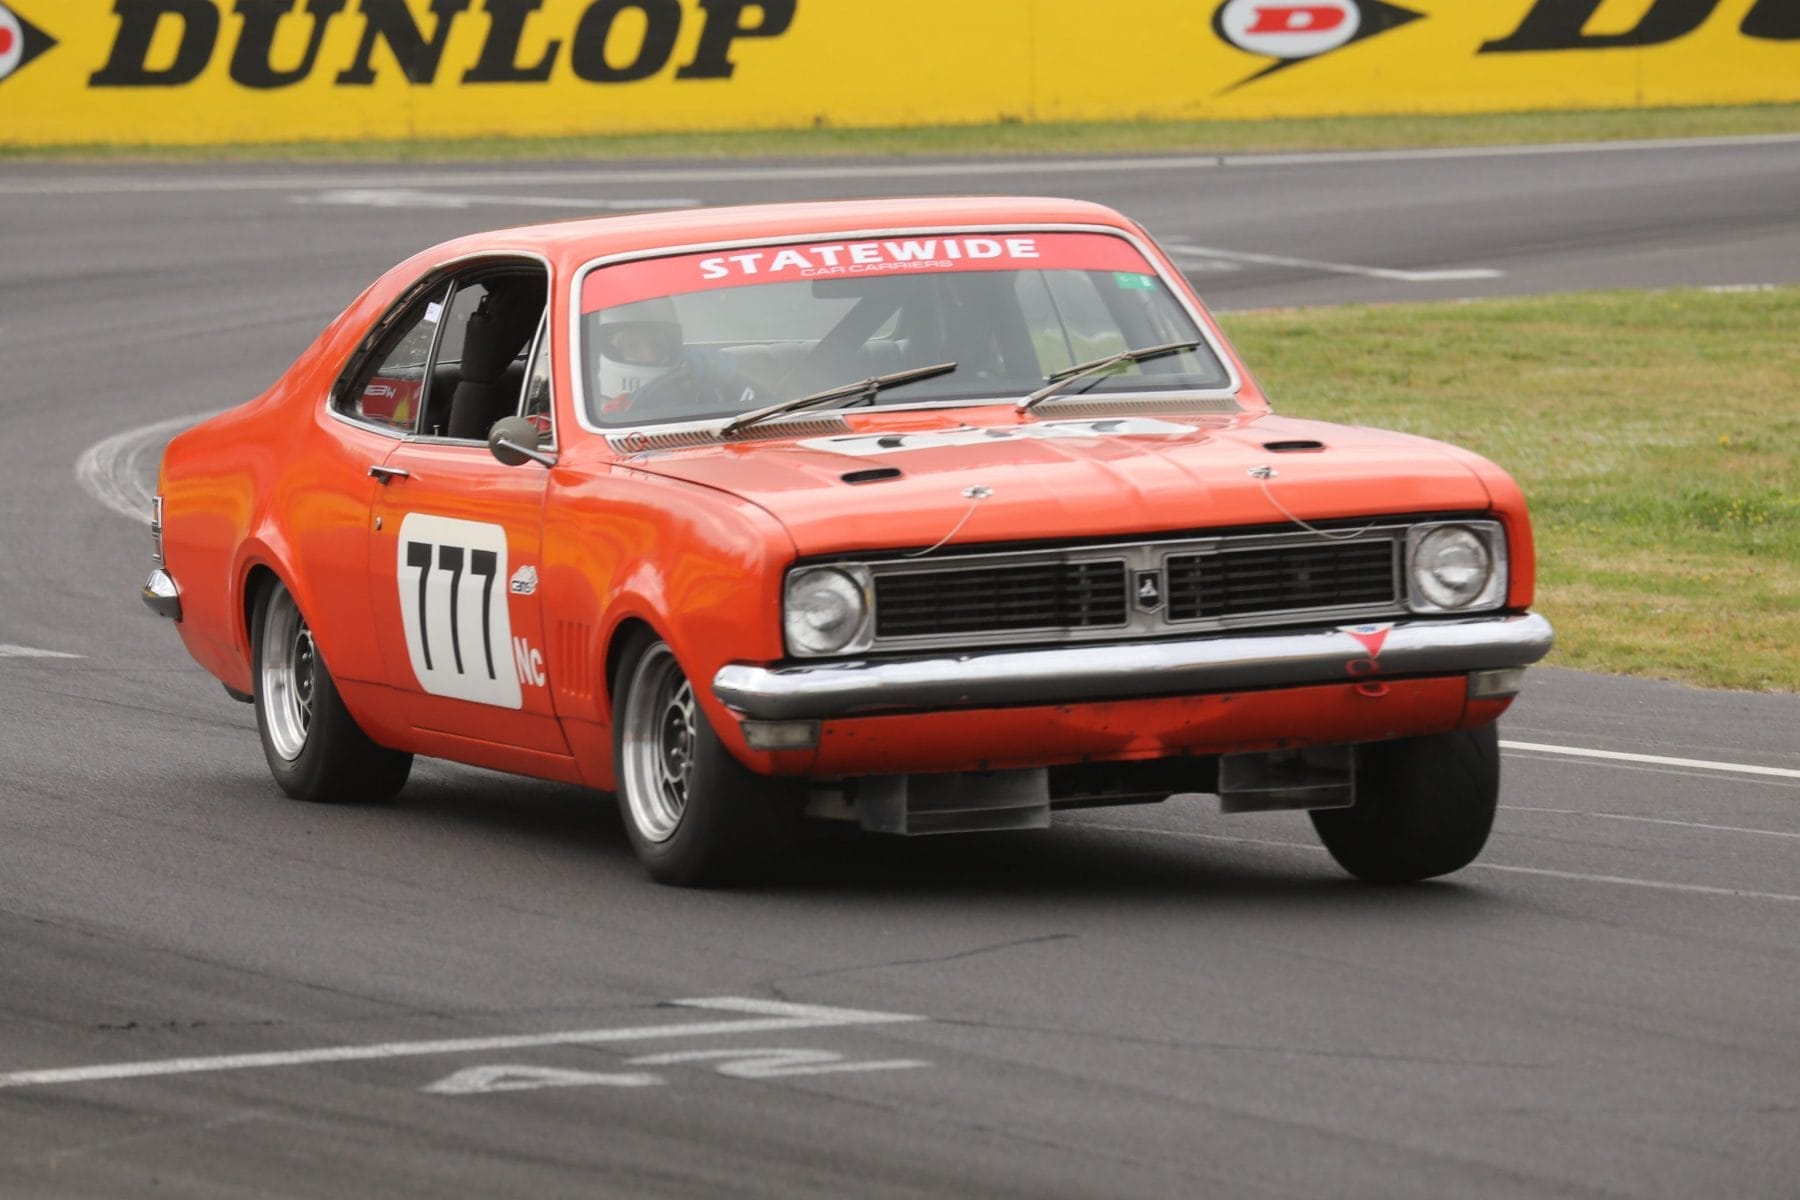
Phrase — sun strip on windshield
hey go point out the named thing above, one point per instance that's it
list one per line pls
(862, 258)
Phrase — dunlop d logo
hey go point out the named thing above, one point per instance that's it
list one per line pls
(1294, 31)
(20, 41)
(417, 43)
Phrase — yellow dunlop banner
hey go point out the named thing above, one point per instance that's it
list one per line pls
(198, 71)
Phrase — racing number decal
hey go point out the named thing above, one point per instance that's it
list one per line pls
(454, 608)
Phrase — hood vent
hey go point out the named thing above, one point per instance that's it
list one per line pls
(871, 475)
(1291, 447)
(637, 442)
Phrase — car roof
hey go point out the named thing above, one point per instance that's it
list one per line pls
(569, 244)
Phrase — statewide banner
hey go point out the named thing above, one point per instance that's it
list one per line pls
(207, 71)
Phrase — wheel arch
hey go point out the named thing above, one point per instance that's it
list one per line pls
(259, 576)
(622, 634)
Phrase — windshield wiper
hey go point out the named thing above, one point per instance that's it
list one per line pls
(1068, 375)
(862, 391)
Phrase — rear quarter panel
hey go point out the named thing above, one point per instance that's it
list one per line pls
(240, 489)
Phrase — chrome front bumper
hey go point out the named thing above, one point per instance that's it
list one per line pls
(1064, 674)
(162, 596)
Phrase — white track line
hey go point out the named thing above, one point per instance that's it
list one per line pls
(1659, 884)
(1188, 250)
(771, 1016)
(1577, 876)
(314, 178)
(413, 198)
(8, 650)
(112, 470)
(1654, 759)
(1604, 816)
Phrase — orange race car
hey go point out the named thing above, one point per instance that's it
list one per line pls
(928, 514)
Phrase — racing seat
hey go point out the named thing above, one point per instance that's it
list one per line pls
(497, 332)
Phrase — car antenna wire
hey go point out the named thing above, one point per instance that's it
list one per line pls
(976, 493)
(1262, 475)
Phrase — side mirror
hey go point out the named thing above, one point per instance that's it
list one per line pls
(515, 440)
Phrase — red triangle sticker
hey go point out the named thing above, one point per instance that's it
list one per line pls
(1373, 637)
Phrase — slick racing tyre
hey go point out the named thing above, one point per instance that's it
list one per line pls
(695, 815)
(316, 750)
(1424, 806)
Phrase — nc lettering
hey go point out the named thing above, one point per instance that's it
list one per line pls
(249, 27)
(1561, 24)
(528, 663)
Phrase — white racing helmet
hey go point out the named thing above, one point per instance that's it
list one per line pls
(637, 343)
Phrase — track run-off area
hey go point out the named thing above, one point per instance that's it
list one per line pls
(206, 989)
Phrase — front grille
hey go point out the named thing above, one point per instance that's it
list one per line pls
(1122, 590)
(1235, 583)
(1002, 599)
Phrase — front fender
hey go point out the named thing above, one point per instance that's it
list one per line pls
(701, 567)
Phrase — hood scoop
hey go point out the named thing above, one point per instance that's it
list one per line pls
(1294, 446)
(638, 441)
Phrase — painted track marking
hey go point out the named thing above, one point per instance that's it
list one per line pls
(1654, 759)
(414, 198)
(1664, 885)
(1575, 812)
(8, 650)
(125, 185)
(763, 1016)
(1659, 884)
(1186, 250)
(738, 1062)
(775, 1062)
(112, 470)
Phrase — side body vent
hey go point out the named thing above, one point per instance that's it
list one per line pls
(572, 666)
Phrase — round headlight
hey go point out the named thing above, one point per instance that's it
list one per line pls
(1451, 566)
(825, 611)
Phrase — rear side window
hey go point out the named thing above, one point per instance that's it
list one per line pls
(390, 388)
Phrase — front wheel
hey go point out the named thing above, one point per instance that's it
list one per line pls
(314, 747)
(1424, 806)
(695, 815)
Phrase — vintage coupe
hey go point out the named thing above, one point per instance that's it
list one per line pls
(928, 514)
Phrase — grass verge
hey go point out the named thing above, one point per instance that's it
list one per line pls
(1656, 435)
(1116, 137)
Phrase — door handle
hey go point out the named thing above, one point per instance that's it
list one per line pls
(388, 474)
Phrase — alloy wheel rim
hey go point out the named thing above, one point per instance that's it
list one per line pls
(661, 736)
(290, 676)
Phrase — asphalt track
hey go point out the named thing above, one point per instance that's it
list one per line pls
(206, 990)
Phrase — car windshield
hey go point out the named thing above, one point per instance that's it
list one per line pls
(713, 335)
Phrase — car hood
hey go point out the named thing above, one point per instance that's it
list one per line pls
(896, 484)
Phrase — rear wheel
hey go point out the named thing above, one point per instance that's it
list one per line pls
(1424, 806)
(695, 815)
(314, 747)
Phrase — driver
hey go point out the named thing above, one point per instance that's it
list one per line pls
(644, 361)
